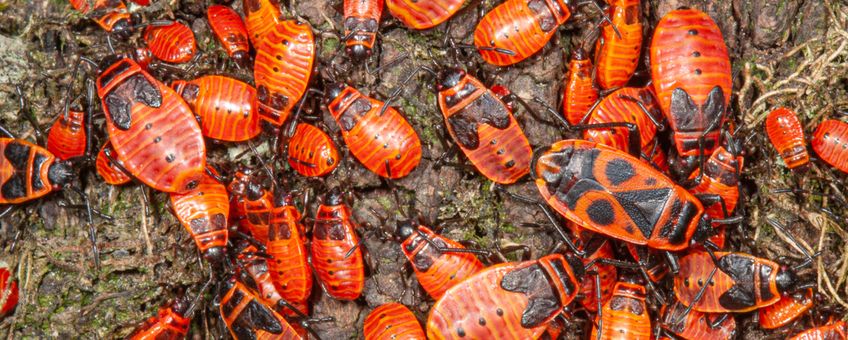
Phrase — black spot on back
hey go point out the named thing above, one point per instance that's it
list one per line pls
(37, 163)
(483, 110)
(741, 270)
(18, 154)
(600, 212)
(619, 171)
(354, 112)
(14, 187)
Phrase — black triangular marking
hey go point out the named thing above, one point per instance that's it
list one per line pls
(644, 207)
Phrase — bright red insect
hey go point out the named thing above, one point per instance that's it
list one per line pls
(483, 127)
(438, 261)
(8, 290)
(830, 141)
(107, 169)
(203, 212)
(787, 135)
(579, 92)
(171, 43)
(695, 325)
(361, 25)
(231, 33)
(310, 151)
(519, 26)
(152, 130)
(288, 264)
(226, 106)
(789, 308)
(422, 15)
(336, 255)
(67, 137)
(28, 171)
(617, 50)
(170, 323)
(625, 315)
(692, 79)
(378, 136)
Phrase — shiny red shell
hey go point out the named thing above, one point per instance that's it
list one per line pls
(24, 169)
(520, 26)
(485, 130)
(385, 144)
(257, 268)
(625, 315)
(691, 74)
(288, 265)
(787, 136)
(618, 55)
(152, 130)
(579, 92)
(107, 170)
(789, 308)
(311, 152)
(230, 31)
(203, 212)
(610, 192)
(282, 69)
(437, 272)
(422, 15)
(227, 107)
(830, 141)
(334, 236)
(392, 321)
(173, 43)
(67, 137)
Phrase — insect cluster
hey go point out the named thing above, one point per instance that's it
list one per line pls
(640, 196)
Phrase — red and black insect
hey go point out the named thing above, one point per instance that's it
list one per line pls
(692, 79)
(106, 168)
(619, 46)
(254, 272)
(579, 93)
(171, 322)
(422, 15)
(310, 151)
(732, 283)
(520, 27)
(625, 315)
(336, 254)
(111, 15)
(282, 68)
(375, 133)
(261, 16)
(610, 192)
(439, 262)
(248, 318)
(203, 211)
(483, 127)
(392, 321)
(288, 264)
(835, 330)
(719, 180)
(692, 324)
(171, 43)
(830, 142)
(514, 300)
(151, 129)
(227, 107)
(68, 136)
(231, 33)
(28, 171)
(789, 308)
(252, 203)
(8, 290)
(786, 134)
(361, 25)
